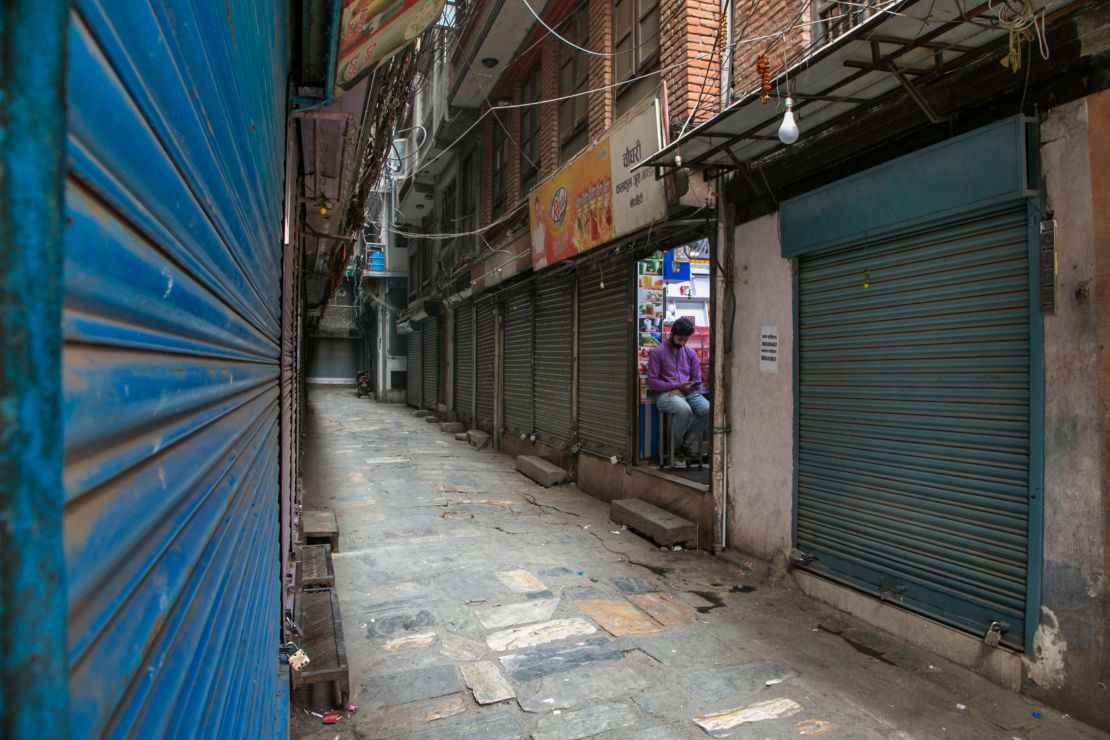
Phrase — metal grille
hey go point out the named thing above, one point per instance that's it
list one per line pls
(517, 387)
(605, 356)
(485, 363)
(553, 371)
(464, 363)
(913, 420)
(415, 379)
(332, 360)
(430, 363)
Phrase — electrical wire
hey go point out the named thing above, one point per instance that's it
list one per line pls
(606, 54)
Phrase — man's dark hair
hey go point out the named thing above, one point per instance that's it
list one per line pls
(683, 328)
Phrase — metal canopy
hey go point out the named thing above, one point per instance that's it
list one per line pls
(905, 46)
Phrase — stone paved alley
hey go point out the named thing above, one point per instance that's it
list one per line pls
(462, 582)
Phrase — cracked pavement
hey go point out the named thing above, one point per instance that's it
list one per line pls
(476, 603)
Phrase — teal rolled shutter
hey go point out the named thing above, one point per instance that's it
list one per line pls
(485, 359)
(430, 363)
(464, 363)
(517, 363)
(914, 419)
(553, 360)
(415, 374)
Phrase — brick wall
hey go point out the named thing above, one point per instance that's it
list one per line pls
(691, 56)
(753, 20)
(601, 68)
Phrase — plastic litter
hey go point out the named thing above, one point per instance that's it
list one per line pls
(581, 572)
(352, 708)
(331, 718)
(1036, 715)
(961, 707)
(773, 681)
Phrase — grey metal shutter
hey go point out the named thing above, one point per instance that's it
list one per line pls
(554, 343)
(913, 419)
(332, 360)
(415, 375)
(485, 360)
(605, 356)
(172, 250)
(464, 363)
(517, 363)
(430, 361)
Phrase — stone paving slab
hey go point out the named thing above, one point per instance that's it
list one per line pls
(580, 723)
(530, 665)
(410, 686)
(581, 686)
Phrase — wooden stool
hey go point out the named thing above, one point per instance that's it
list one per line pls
(314, 569)
(316, 612)
(319, 525)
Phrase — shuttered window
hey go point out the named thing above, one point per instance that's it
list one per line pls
(416, 369)
(517, 363)
(553, 372)
(914, 419)
(485, 354)
(464, 363)
(430, 359)
(605, 356)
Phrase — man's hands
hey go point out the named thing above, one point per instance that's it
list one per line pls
(684, 388)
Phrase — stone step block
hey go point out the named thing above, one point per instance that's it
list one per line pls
(540, 470)
(420, 413)
(477, 437)
(662, 527)
(432, 419)
(462, 437)
(452, 427)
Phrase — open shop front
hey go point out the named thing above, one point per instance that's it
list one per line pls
(674, 284)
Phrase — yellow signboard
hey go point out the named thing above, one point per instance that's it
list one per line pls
(373, 30)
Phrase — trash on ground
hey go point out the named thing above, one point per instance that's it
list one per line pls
(774, 681)
(352, 708)
(331, 718)
(961, 707)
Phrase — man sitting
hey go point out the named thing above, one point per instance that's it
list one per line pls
(674, 373)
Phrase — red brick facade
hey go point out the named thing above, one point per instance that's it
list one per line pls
(753, 21)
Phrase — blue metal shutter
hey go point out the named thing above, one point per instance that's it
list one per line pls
(606, 374)
(485, 361)
(914, 419)
(518, 363)
(173, 254)
(464, 363)
(553, 368)
(430, 361)
(415, 375)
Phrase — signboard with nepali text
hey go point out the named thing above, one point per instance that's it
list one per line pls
(597, 197)
(371, 31)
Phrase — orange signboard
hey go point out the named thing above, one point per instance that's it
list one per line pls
(573, 211)
(373, 30)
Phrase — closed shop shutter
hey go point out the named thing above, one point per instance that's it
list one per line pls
(464, 363)
(606, 375)
(430, 361)
(517, 364)
(914, 419)
(485, 338)
(554, 309)
(172, 250)
(415, 374)
(332, 360)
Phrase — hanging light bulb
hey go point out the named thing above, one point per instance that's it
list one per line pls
(788, 131)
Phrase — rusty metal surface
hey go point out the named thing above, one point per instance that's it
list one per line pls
(317, 614)
(316, 566)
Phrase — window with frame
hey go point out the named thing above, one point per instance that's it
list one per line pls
(530, 131)
(574, 77)
(837, 18)
(499, 166)
(468, 197)
(636, 45)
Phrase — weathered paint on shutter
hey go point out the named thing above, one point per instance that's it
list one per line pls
(415, 374)
(332, 360)
(430, 362)
(172, 329)
(914, 419)
(554, 309)
(517, 363)
(485, 360)
(464, 363)
(606, 377)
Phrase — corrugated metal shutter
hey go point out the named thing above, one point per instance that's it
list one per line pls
(553, 370)
(485, 338)
(415, 375)
(173, 254)
(913, 476)
(606, 374)
(332, 359)
(430, 361)
(517, 364)
(464, 363)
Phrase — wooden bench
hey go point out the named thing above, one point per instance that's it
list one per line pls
(316, 612)
(314, 567)
(319, 525)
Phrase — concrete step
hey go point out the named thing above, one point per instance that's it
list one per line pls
(477, 437)
(462, 437)
(419, 413)
(432, 419)
(540, 470)
(662, 527)
(452, 427)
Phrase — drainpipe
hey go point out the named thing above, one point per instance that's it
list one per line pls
(727, 10)
(722, 358)
(333, 52)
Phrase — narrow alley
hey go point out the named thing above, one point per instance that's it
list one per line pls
(477, 604)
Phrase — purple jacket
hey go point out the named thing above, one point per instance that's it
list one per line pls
(667, 370)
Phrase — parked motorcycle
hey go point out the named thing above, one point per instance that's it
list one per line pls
(362, 384)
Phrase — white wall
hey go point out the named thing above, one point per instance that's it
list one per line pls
(761, 403)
